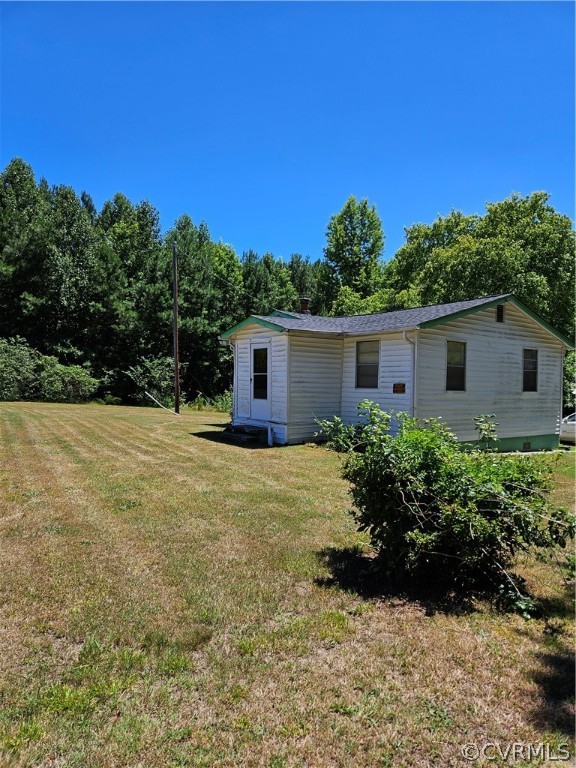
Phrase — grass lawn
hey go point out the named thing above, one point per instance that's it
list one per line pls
(166, 600)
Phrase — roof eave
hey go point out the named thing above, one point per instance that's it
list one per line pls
(381, 331)
(347, 334)
(250, 321)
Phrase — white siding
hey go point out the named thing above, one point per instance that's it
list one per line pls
(494, 368)
(277, 371)
(315, 376)
(242, 381)
(396, 359)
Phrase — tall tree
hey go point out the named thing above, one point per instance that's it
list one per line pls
(521, 246)
(24, 220)
(132, 248)
(355, 242)
(211, 288)
(403, 271)
(267, 284)
(66, 282)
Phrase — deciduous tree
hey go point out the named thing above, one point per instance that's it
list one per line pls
(355, 242)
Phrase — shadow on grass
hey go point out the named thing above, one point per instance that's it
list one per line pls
(218, 437)
(556, 681)
(557, 607)
(555, 674)
(354, 571)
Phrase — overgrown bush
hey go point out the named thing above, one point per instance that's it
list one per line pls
(25, 374)
(64, 383)
(437, 511)
(154, 375)
(221, 403)
(18, 375)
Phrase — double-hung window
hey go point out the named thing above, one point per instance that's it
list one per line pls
(456, 366)
(530, 371)
(367, 363)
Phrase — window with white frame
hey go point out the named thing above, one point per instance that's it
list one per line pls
(367, 364)
(456, 366)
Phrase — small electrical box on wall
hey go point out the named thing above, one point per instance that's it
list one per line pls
(399, 389)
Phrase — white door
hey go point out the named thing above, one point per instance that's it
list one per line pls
(260, 382)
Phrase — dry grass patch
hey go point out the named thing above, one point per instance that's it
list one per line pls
(164, 602)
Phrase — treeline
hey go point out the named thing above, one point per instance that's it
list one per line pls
(92, 288)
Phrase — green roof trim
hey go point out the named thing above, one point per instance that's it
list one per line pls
(250, 321)
(499, 300)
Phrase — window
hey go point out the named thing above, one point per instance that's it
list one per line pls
(530, 379)
(367, 359)
(260, 374)
(456, 366)
(500, 313)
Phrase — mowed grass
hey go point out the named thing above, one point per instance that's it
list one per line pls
(165, 600)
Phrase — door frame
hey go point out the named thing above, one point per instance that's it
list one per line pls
(263, 412)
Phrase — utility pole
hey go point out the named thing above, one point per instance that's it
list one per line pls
(175, 332)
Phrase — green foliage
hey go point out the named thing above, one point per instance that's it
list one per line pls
(64, 383)
(521, 246)
(27, 375)
(348, 302)
(220, 403)
(339, 437)
(95, 288)
(355, 243)
(303, 275)
(437, 511)
(223, 402)
(18, 364)
(155, 376)
(267, 284)
(487, 432)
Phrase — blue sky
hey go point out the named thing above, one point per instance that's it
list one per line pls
(262, 118)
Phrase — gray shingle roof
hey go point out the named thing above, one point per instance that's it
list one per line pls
(398, 320)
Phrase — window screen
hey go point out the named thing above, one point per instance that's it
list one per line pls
(530, 380)
(456, 366)
(367, 359)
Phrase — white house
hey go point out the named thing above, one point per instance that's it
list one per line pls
(486, 356)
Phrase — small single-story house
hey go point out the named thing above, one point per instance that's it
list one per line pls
(486, 356)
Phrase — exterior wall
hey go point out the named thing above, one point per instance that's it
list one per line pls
(396, 363)
(494, 367)
(315, 383)
(277, 371)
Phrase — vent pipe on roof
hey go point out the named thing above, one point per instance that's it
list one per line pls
(304, 305)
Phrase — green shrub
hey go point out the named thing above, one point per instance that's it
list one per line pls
(18, 376)
(436, 511)
(154, 375)
(64, 383)
(221, 403)
(25, 374)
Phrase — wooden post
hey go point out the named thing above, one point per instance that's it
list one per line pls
(175, 333)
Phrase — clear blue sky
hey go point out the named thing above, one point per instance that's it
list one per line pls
(262, 118)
